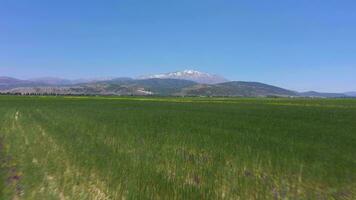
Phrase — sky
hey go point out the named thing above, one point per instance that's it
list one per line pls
(296, 44)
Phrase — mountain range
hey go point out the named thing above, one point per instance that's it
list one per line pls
(181, 83)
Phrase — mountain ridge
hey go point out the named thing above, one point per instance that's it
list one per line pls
(323, 94)
(238, 88)
(183, 83)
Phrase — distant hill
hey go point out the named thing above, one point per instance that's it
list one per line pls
(322, 95)
(151, 86)
(51, 81)
(8, 82)
(164, 86)
(154, 86)
(120, 86)
(11, 83)
(351, 94)
(191, 75)
(237, 88)
(158, 86)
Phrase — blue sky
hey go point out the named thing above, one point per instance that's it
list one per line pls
(296, 44)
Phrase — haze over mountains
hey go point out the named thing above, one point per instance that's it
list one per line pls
(180, 83)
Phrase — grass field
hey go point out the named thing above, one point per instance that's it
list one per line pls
(177, 148)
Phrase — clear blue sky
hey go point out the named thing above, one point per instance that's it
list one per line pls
(296, 44)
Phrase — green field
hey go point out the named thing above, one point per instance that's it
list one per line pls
(177, 148)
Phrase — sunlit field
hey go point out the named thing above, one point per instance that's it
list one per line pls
(177, 148)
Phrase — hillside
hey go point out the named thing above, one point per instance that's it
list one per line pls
(165, 87)
(115, 87)
(237, 88)
(9, 82)
(322, 95)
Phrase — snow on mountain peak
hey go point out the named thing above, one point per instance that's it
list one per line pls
(192, 75)
(189, 71)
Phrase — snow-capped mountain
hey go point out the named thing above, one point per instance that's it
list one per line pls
(191, 75)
